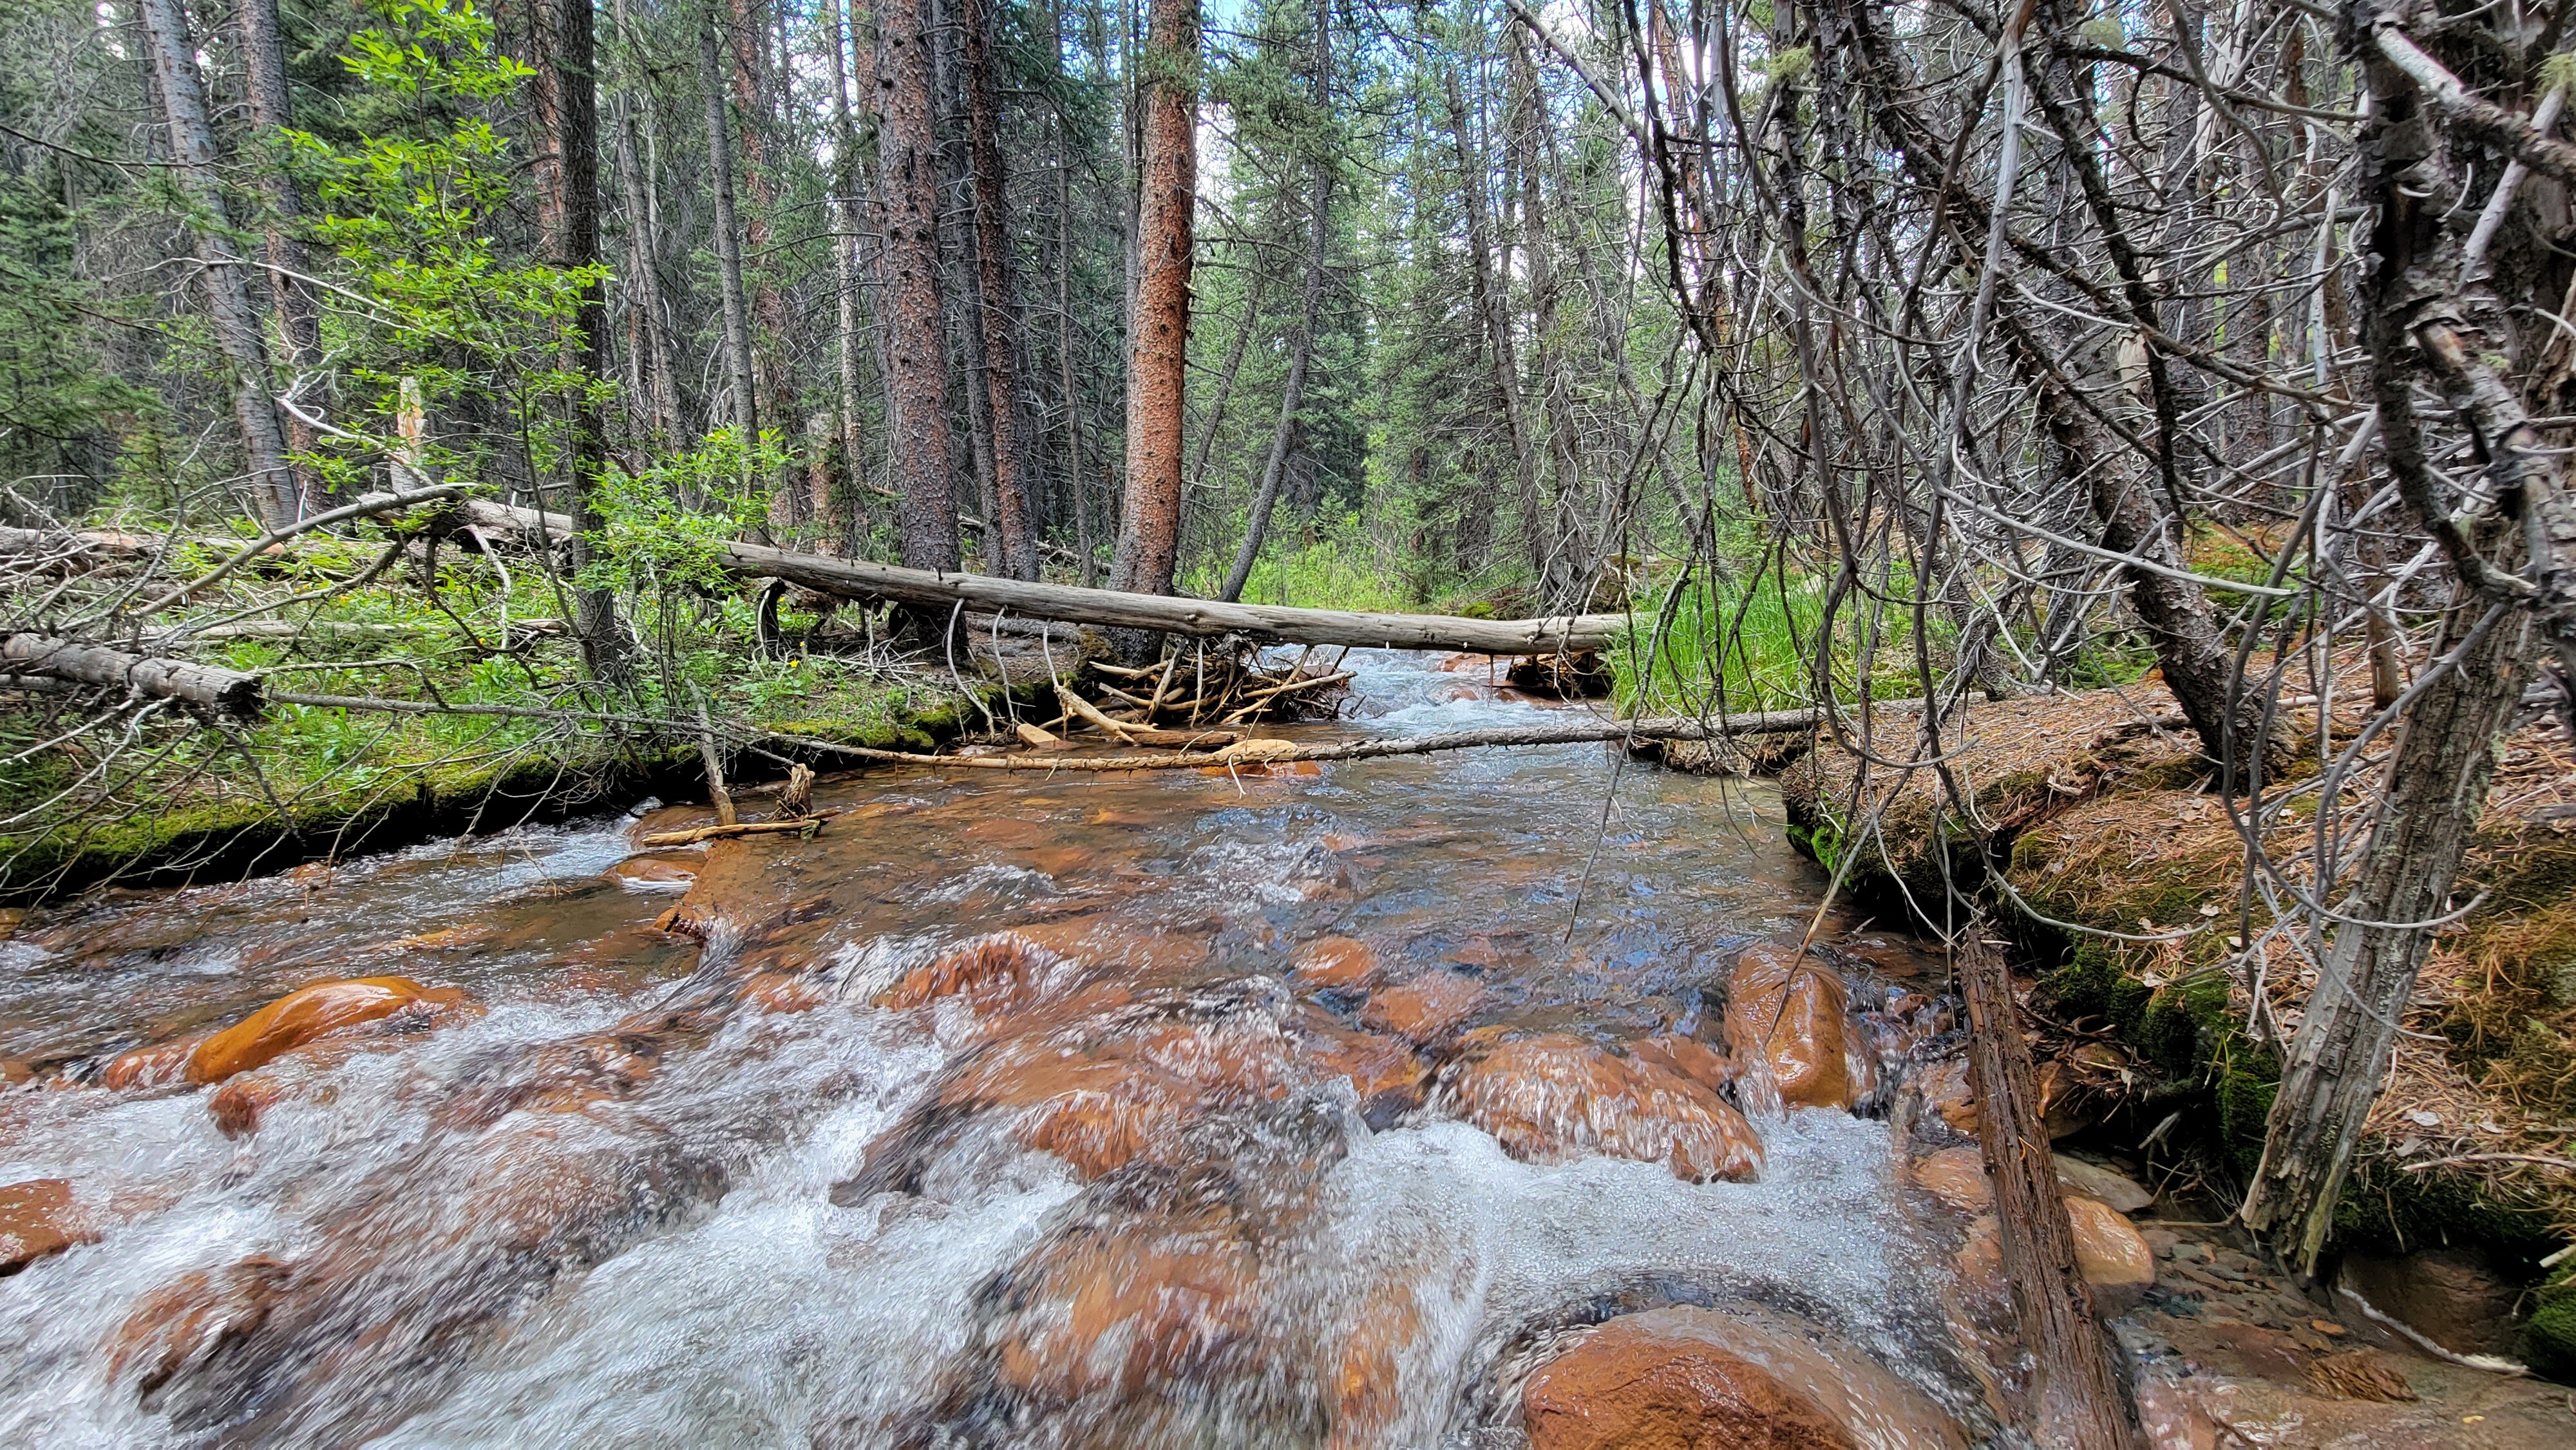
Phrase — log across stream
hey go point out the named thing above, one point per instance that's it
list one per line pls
(1304, 1104)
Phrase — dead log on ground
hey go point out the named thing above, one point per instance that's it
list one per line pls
(227, 690)
(804, 826)
(2075, 1396)
(858, 579)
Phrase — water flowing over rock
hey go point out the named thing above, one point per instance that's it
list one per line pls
(1335, 962)
(1700, 1379)
(1790, 1011)
(38, 1218)
(1553, 1097)
(993, 974)
(1425, 1009)
(302, 1016)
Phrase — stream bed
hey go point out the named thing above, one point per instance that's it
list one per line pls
(1302, 1106)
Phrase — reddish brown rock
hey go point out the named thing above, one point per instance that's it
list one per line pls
(1425, 1009)
(655, 873)
(1791, 1012)
(1335, 961)
(1945, 1092)
(2452, 1297)
(37, 1218)
(188, 1320)
(1686, 1057)
(1127, 1309)
(994, 974)
(1554, 1097)
(2114, 1259)
(302, 1016)
(1366, 1383)
(1957, 1177)
(239, 1104)
(151, 1067)
(1699, 1379)
(782, 992)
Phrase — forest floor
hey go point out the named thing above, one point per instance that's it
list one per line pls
(2099, 820)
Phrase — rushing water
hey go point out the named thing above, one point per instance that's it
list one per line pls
(659, 1192)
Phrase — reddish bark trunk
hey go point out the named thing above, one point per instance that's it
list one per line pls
(908, 172)
(1158, 339)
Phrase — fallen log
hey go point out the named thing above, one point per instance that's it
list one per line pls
(858, 579)
(803, 825)
(227, 690)
(1269, 751)
(2075, 1394)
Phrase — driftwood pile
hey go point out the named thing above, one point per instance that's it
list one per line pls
(1194, 698)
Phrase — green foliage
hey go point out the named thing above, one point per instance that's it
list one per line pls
(1751, 646)
(1341, 565)
(414, 215)
(651, 537)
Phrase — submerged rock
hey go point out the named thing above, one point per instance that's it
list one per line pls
(1704, 1379)
(1554, 1097)
(159, 1065)
(39, 1218)
(993, 974)
(1425, 1009)
(301, 1016)
(1335, 962)
(1792, 1012)
(2109, 1250)
(191, 1320)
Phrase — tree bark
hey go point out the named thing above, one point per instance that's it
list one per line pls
(565, 97)
(299, 311)
(230, 691)
(655, 388)
(2075, 1394)
(728, 240)
(1301, 349)
(229, 304)
(1015, 521)
(1149, 538)
(845, 272)
(908, 184)
(1493, 312)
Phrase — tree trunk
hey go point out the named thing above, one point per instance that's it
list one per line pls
(2075, 1394)
(1077, 484)
(229, 304)
(1015, 521)
(1493, 311)
(299, 312)
(908, 184)
(656, 389)
(1301, 348)
(566, 103)
(845, 270)
(728, 240)
(753, 106)
(1149, 538)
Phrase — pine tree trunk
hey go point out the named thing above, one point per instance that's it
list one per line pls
(1014, 523)
(845, 274)
(1494, 312)
(229, 303)
(298, 311)
(908, 185)
(728, 240)
(1149, 538)
(566, 102)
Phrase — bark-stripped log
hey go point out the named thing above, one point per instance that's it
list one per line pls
(88, 664)
(857, 579)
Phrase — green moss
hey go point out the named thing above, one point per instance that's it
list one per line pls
(2385, 1207)
(2549, 1336)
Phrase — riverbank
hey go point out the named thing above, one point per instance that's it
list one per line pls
(308, 783)
(2122, 882)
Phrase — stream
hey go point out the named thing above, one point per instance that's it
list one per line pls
(1175, 1108)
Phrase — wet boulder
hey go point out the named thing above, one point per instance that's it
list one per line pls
(39, 1218)
(2113, 1257)
(991, 974)
(1554, 1097)
(159, 1065)
(191, 1320)
(1701, 1379)
(1957, 1177)
(1688, 1057)
(1336, 963)
(312, 1012)
(1791, 1013)
(655, 873)
(1426, 1009)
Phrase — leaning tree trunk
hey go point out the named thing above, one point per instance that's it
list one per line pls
(229, 304)
(299, 311)
(1149, 540)
(566, 103)
(1301, 349)
(908, 183)
(2444, 759)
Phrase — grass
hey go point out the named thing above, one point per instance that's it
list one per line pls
(1750, 645)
